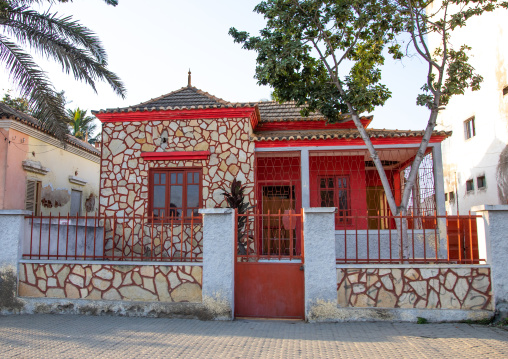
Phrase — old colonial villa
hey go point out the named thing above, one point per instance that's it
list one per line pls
(317, 241)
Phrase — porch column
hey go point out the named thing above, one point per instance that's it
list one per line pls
(493, 246)
(218, 262)
(437, 158)
(320, 268)
(305, 177)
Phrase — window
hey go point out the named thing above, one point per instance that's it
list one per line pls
(446, 197)
(505, 91)
(469, 128)
(175, 192)
(451, 196)
(76, 197)
(335, 191)
(33, 196)
(481, 183)
(469, 186)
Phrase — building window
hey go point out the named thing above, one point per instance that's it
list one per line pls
(505, 91)
(451, 196)
(481, 183)
(76, 198)
(33, 196)
(335, 191)
(446, 197)
(469, 128)
(469, 186)
(175, 192)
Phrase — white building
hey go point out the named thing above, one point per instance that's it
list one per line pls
(475, 157)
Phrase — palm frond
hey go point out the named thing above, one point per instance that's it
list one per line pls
(29, 28)
(34, 85)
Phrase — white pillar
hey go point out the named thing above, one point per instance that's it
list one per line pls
(219, 262)
(320, 267)
(305, 177)
(437, 158)
(12, 232)
(493, 247)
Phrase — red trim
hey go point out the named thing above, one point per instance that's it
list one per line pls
(345, 142)
(175, 156)
(309, 125)
(159, 115)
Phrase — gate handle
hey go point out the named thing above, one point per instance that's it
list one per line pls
(302, 268)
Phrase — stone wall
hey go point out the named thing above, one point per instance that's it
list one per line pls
(151, 283)
(440, 287)
(124, 174)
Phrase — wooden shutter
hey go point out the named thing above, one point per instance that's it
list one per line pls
(31, 195)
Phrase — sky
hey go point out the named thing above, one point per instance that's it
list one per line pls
(152, 44)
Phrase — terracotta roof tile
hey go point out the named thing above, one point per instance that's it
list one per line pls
(7, 111)
(337, 134)
(185, 98)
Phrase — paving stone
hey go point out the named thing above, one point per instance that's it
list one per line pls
(73, 336)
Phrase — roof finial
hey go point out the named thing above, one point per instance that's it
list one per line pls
(189, 80)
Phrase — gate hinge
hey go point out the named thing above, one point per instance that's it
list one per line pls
(302, 267)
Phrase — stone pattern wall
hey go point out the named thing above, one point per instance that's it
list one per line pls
(124, 174)
(141, 240)
(445, 288)
(154, 283)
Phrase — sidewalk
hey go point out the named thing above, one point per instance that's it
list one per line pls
(70, 336)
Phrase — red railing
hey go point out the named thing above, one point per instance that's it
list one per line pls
(269, 236)
(123, 238)
(421, 246)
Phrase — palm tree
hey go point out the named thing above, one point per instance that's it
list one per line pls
(81, 125)
(59, 38)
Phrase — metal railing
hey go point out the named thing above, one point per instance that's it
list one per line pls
(122, 238)
(269, 236)
(424, 243)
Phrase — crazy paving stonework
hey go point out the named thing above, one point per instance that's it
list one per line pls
(157, 283)
(431, 288)
(124, 174)
(142, 240)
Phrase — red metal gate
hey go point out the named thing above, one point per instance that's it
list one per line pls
(269, 277)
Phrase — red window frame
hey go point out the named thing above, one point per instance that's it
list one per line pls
(168, 210)
(339, 185)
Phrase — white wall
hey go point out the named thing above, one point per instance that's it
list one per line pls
(468, 159)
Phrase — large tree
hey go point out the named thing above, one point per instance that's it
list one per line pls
(59, 38)
(327, 55)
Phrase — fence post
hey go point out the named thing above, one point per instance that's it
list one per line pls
(437, 158)
(12, 232)
(320, 263)
(218, 262)
(493, 247)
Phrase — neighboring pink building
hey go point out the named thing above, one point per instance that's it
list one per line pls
(38, 174)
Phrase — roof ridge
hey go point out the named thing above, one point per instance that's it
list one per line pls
(193, 88)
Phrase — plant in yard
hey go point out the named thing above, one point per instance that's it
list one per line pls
(80, 124)
(59, 38)
(236, 199)
(326, 55)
